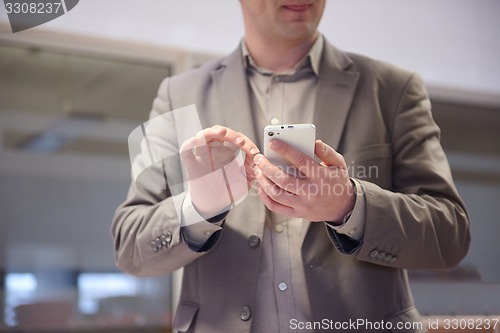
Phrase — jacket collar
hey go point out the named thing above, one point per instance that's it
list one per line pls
(336, 88)
(334, 95)
(233, 90)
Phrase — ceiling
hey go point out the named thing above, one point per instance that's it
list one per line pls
(79, 90)
(78, 85)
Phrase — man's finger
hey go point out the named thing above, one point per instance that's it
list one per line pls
(277, 175)
(231, 138)
(277, 193)
(328, 155)
(305, 164)
(273, 205)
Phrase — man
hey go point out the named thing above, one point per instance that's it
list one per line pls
(289, 260)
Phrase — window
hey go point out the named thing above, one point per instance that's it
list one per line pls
(94, 287)
(19, 289)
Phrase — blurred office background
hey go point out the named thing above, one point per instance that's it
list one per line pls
(73, 89)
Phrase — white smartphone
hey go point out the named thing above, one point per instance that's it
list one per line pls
(300, 136)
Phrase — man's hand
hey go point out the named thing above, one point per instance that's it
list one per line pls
(323, 193)
(218, 177)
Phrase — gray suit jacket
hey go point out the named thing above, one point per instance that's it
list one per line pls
(378, 116)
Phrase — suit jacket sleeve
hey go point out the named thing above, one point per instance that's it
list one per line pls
(146, 227)
(421, 223)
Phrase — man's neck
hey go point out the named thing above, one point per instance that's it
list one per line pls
(278, 57)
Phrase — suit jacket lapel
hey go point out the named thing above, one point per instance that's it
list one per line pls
(336, 88)
(233, 94)
(234, 101)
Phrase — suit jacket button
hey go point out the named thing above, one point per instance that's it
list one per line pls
(154, 247)
(163, 239)
(158, 243)
(374, 254)
(381, 255)
(245, 313)
(388, 257)
(254, 241)
(168, 237)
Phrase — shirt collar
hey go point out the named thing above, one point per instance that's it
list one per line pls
(312, 58)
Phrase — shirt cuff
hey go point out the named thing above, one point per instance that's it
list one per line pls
(195, 229)
(354, 222)
(189, 214)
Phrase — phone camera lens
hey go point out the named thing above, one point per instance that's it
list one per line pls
(270, 133)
